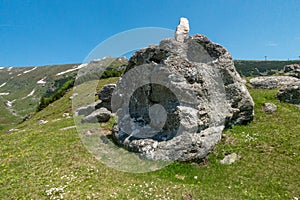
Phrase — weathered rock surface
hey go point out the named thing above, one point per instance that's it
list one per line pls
(292, 70)
(271, 82)
(99, 115)
(105, 101)
(269, 108)
(290, 93)
(106, 92)
(175, 99)
(99, 111)
(292, 67)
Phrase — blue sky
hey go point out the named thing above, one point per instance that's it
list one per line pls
(41, 32)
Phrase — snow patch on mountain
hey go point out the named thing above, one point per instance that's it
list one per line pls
(70, 70)
(27, 71)
(9, 103)
(3, 84)
(30, 94)
(4, 93)
(42, 81)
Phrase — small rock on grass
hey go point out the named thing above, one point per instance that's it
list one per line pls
(67, 128)
(229, 159)
(100, 115)
(12, 130)
(188, 197)
(40, 122)
(269, 108)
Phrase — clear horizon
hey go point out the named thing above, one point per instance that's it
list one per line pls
(39, 33)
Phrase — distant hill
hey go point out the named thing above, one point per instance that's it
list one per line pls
(257, 68)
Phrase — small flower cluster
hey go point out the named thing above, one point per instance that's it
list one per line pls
(68, 178)
(249, 138)
(146, 191)
(55, 193)
(59, 192)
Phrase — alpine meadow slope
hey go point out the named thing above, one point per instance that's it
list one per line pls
(49, 161)
(21, 89)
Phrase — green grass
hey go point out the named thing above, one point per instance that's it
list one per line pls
(40, 157)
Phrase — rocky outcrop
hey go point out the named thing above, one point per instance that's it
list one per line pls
(99, 115)
(290, 93)
(175, 99)
(106, 92)
(292, 70)
(86, 110)
(269, 108)
(105, 95)
(99, 111)
(271, 82)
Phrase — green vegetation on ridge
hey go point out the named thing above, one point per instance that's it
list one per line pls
(257, 68)
(44, 102)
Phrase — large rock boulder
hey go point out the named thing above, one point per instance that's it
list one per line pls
(175, 99)
(290, 93)
(271, 82)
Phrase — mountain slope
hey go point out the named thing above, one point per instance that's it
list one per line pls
(22, 88)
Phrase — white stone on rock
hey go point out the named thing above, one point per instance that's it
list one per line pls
(182, 30)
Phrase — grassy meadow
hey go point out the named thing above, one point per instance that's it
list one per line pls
(49, 161)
